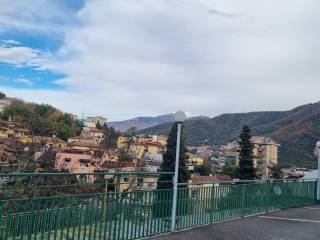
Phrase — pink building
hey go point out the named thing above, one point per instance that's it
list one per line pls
(77, 162)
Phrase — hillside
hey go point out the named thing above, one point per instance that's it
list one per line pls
(296, 130)
(141, 122)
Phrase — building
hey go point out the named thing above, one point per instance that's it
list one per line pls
(93, 121)
(207, 181)
(151, 162)
(265, 151)
(54, 142)
(141, 148)
(120, 183)
(83, 146)
(194, 161)
(10, 129)
(78, 162)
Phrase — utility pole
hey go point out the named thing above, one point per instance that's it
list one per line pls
(175, 181)
(318, 182)
(179, 117)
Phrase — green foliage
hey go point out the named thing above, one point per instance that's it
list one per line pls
(43, 120)
(98, 125)
(231, 170)
(110, 137)
(168, 164)
(2, 95)
(246, 167)
(124, 156)
(203, 170)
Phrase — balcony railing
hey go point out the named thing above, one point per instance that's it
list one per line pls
(63, 206)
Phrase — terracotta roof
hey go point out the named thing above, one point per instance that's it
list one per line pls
(83, 144)
(12, 126)
(116, 164)
(82, 138)
(210, 179)
(47, 139)
(149, 143)
(96, 130)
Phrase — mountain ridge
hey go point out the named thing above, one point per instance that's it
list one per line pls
(296, 130)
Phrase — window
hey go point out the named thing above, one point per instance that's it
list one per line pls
(84, 164)
(66, 162)
(126, 179)
(140, 182)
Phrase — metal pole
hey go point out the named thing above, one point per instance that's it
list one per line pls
(175, 181)
(318, 182)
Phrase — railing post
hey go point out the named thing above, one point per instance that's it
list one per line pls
(243, 199)
(318, 180)
(175, 181)
(267, 197)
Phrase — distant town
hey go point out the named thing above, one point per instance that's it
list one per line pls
(99, 148)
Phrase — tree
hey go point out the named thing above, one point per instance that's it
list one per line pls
(203, 170)
(2, 95)
(98, 125)
(246, 166)
(110, 137)
(231, 170)
(41, 119)
(168, 164)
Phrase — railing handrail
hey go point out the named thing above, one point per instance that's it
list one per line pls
(82, 174)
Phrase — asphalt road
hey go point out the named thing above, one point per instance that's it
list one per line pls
(289, 224)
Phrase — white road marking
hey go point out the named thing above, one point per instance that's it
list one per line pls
(291, 219)
(312, 208)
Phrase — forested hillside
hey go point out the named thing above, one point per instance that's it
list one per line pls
(296, 130)
(42, 119)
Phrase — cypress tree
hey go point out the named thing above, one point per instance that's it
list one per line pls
(165, 180)
(169, 157)
(246, 158)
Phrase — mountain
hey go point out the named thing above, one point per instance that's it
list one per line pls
(141, 122)
(296, 130)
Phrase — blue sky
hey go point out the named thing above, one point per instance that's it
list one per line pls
(130, 58)
(23, 74)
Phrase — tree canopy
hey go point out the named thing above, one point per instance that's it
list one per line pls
(41, 119)
(110, 137)
(168, 164)
(247, 170)
(2, 95)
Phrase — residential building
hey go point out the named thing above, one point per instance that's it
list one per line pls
(83, 146)
(265, 153)
(78, 162)
(151, 162)
(93, 121)
(10, 129)
(48, 141)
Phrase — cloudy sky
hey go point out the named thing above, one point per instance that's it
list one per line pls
(126, 58)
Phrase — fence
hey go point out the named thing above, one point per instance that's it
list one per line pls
(136, 213)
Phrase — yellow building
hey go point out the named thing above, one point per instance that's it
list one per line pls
(9, 129)
(196, 160)
(265, 153)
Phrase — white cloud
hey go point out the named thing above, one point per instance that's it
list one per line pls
(10, 42)
(141, 57)
(25, 56)
(24, 81)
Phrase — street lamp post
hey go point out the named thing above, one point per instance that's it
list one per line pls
(179, 118)
(318, 182)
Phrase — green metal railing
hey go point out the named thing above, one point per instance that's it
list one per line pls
(135, 213)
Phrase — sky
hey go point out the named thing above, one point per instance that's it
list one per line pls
(129, 58)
